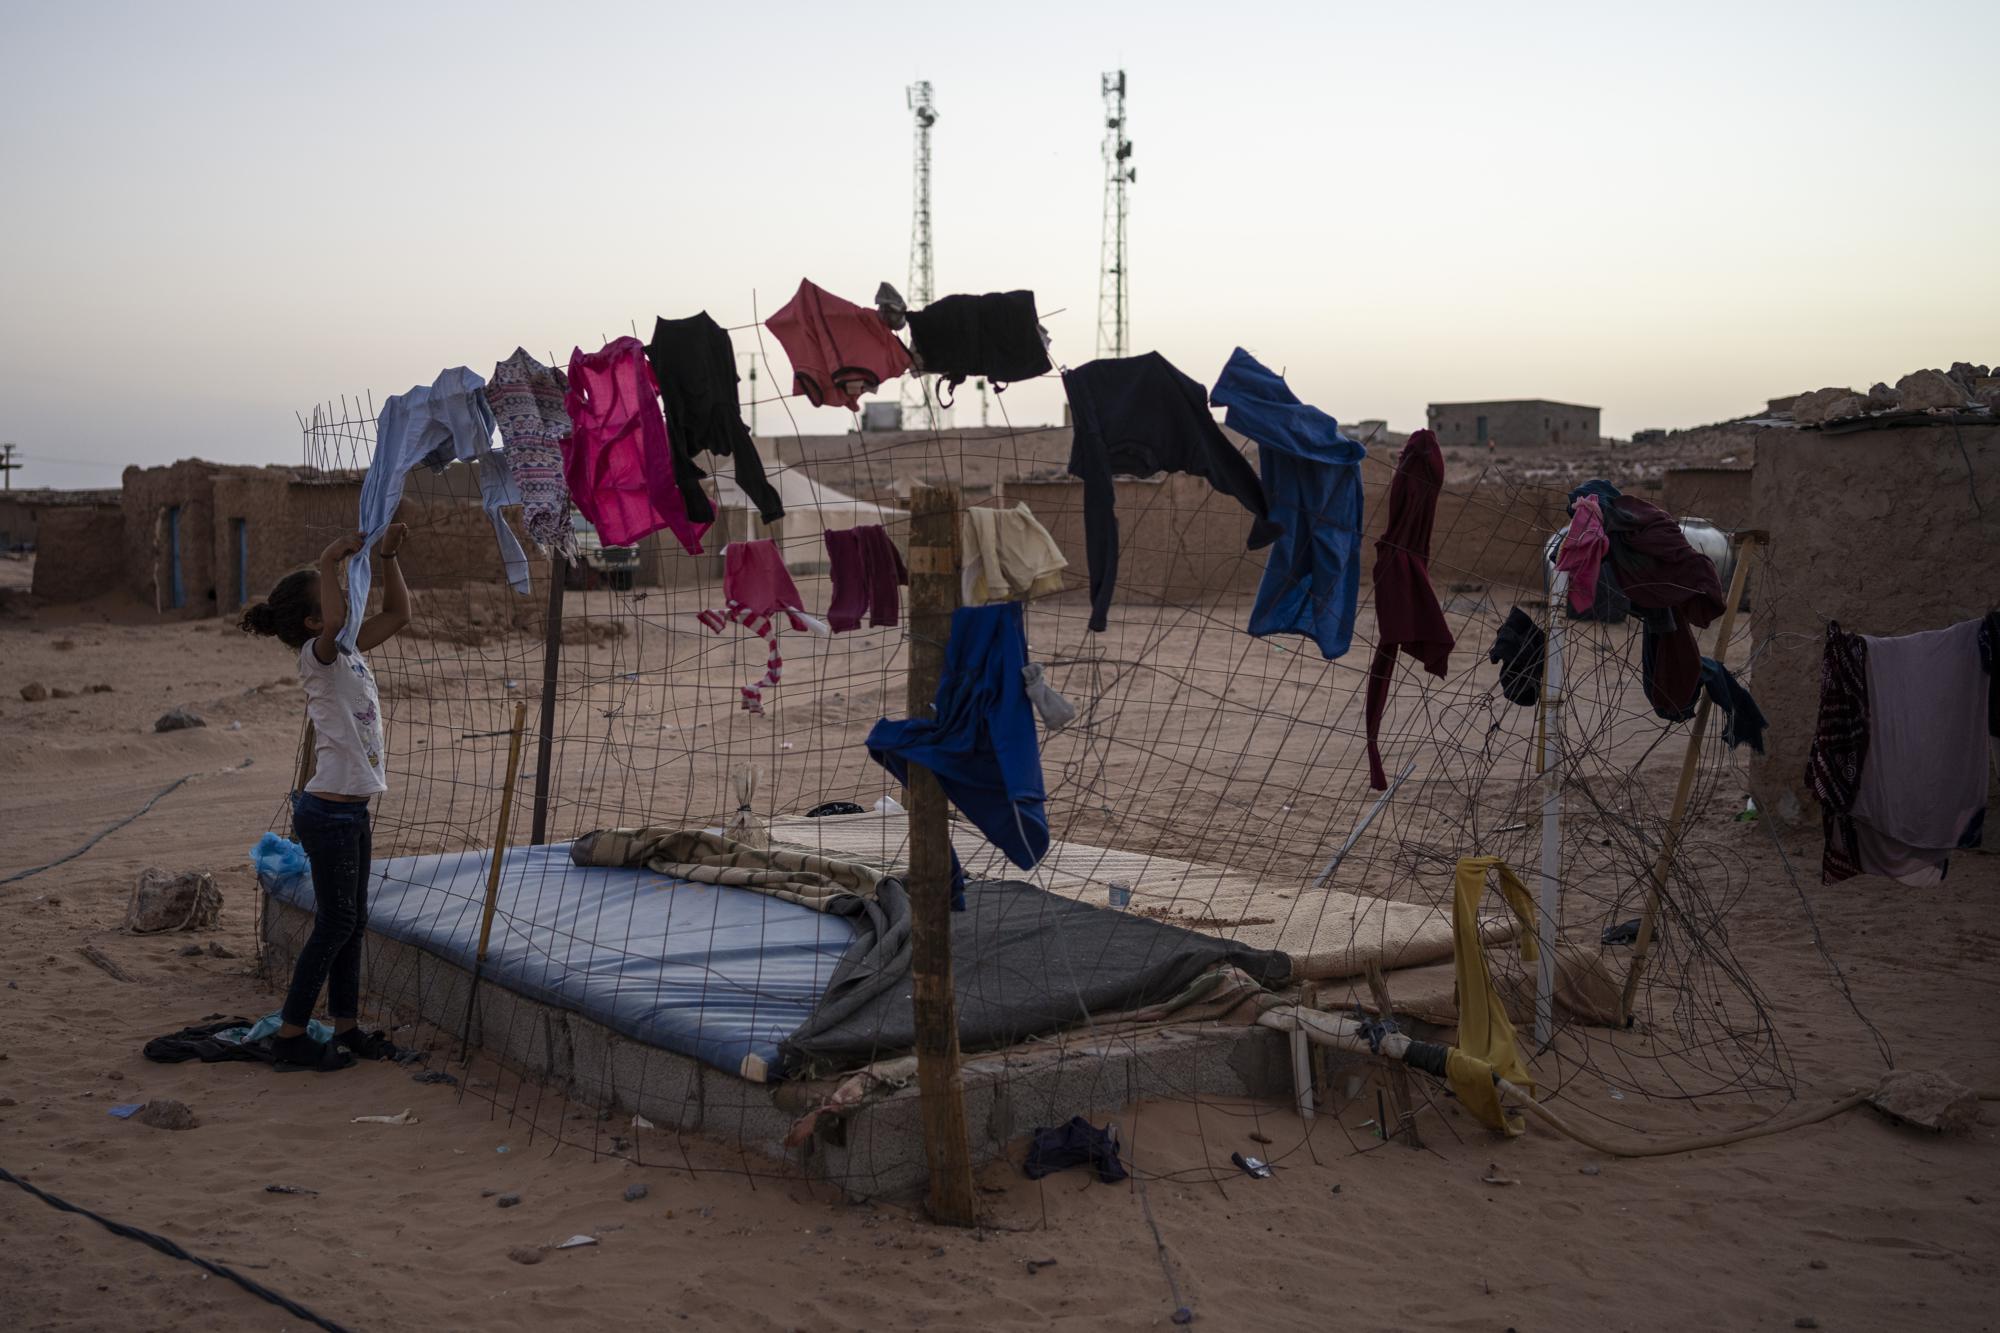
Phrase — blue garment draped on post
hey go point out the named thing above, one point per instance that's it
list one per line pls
(981, 742)
(1312, 481)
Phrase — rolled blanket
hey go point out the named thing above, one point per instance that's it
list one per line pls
(708, 858)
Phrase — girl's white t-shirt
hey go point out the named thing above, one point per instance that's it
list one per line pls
(346, 713)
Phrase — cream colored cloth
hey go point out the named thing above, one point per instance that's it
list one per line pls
(1008, 556)
(707, 858)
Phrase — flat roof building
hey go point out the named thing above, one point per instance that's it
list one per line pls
(1519, 421)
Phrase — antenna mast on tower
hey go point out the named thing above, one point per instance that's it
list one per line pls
(918, 405)
(1114, 313)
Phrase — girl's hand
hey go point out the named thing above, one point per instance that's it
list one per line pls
(342, 547)
(392, 540)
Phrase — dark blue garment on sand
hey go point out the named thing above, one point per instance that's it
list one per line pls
(1312, 482)
(981, 740)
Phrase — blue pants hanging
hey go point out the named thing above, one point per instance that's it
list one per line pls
(981, 742)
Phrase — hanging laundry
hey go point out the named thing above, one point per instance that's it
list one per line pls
(1651, 569)
(1407, 615)
(1742, 721)
(1839, 750)
(1584, 547)
(694, 364)
(757, 590)
(866, 570)
(980, 742)
(617, 460)
(1922, 793)
(527, 401)
(1486, 1043)
(838, 349)
(1008, 556)
(1312, 479)
(1519, 648)
(1135, 416)
(995, 336)
(433, 426)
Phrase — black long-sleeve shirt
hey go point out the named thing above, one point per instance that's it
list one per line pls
(695, 366)
(1138, 415)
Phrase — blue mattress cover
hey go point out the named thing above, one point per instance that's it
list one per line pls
(711, 972)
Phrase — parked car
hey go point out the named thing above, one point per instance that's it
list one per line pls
(612, 566)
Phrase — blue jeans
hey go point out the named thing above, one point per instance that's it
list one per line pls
(335, 835)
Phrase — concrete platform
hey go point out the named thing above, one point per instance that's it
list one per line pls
(877, 1148)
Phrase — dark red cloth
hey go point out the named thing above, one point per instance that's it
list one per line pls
(1407, 614)
(866, 569)
(1658, 571)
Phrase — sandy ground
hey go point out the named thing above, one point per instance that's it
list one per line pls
(1855, 1223)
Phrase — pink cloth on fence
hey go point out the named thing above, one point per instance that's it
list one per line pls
(1583, 552)
(616, 460)
(838, 349)
(756, 590)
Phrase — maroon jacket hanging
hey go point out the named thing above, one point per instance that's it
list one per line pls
(1407, 615)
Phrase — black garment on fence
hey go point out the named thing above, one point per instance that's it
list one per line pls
(1078, 1143)
(1743, 722)
(995, 335)
(1135, 416)
(695, 366)
(1519, 648)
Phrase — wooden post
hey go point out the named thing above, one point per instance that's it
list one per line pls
(934, 576)
(493, 870)
(1649, 921)
(551, 668)
(1399, 1073)
(308, 757)
(500, 825)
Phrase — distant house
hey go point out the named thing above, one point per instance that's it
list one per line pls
(1524, 422)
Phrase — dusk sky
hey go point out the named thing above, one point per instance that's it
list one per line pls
(216, 215)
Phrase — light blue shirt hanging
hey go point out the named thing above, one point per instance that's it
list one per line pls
(1312, 482)
(433, 426)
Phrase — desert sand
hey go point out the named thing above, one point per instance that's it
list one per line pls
(1854, 1223)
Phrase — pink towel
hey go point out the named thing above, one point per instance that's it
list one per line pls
(1582, 553)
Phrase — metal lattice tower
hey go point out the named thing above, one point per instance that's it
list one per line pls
(920, 410)
(1114, 311)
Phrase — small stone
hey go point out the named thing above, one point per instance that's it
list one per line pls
(435, 1076)
(97, 689)
(218, 951)
(192, 951)
(60, 693)
(166, 1113)
(634, 1193)
(179, 719)
(115, 1076)
(1817, 1263)
(1805, 1321)
(525, 1254)
(34, 692)
(508, 1200)
(487, 1194)
(1590, 1170)
(8, 1101)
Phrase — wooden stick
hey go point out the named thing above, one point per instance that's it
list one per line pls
(308, 755)
(1399, 1074)
(500, 827)
(1642, 946)
(934, 575)
(493, 869)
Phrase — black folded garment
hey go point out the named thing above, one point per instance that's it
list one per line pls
(995, 335)
(1519, 648)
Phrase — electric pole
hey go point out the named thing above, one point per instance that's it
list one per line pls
(7, 464)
